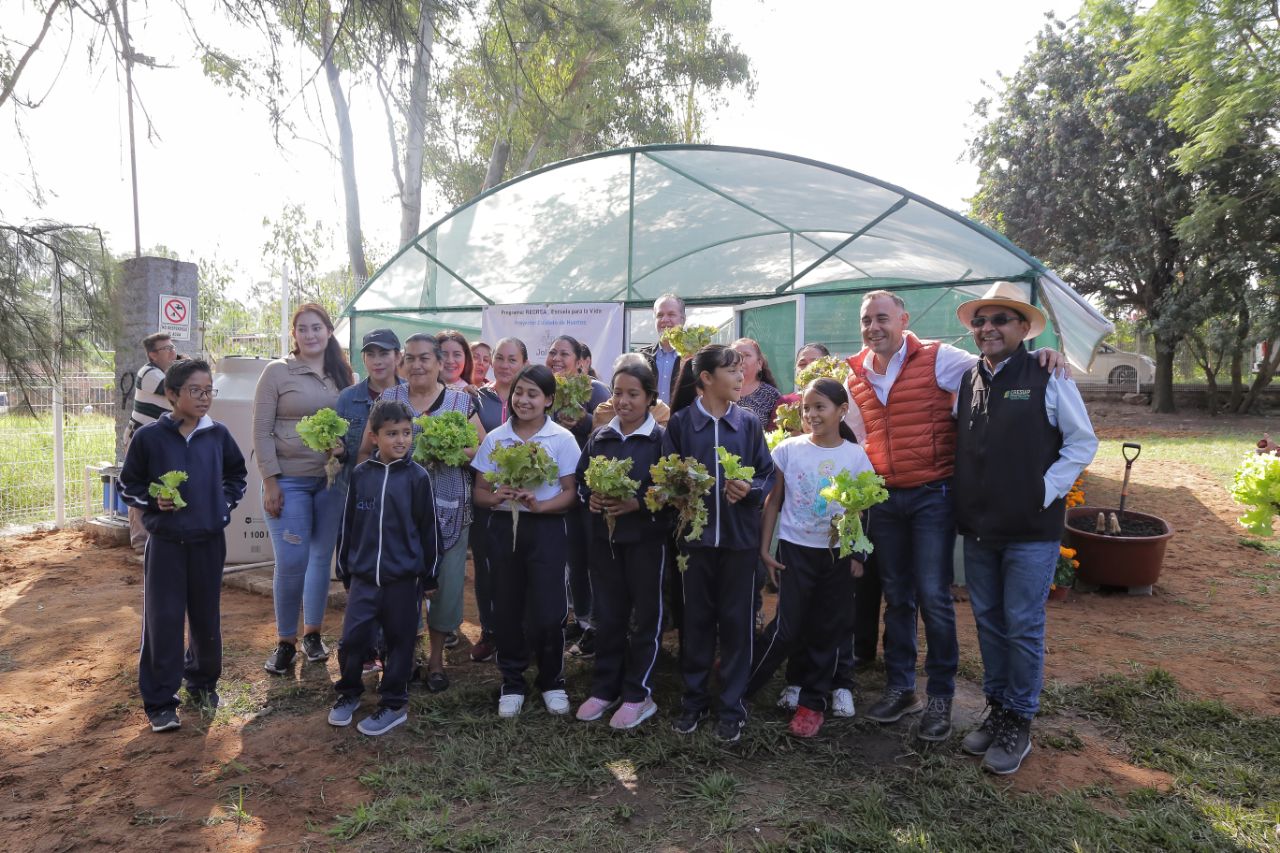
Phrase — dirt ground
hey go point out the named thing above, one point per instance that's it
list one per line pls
(81, 770)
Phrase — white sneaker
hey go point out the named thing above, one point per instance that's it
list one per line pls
(789, 698)
(557, 702)
(842, 703)
(510, 705)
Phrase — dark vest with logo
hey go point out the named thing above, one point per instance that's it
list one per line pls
(1004, 445)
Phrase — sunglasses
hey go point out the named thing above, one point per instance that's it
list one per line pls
(997, 320)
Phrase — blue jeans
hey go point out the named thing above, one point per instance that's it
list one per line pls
(914, 536)
(303, 538)
(1008, 585)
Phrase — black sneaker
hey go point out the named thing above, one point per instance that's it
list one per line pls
(314, 648)
(935, 723)
(687, 722)
(895, 704)
(586, 645)
(978, 741)
(729, 731)
(451, 640)
(165, 721)
(281, 660)
(1011, 745)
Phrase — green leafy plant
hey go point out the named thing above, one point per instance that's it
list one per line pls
(444, 439)
(1256, 486)
(853, 495)
(519, 467)
(787, 418)
(681, 483)
(168, 488)
(687, 340)
(573, 392)
(732, 466)
(610, 478)
(828, 366)
(321, 432)
(775, 437)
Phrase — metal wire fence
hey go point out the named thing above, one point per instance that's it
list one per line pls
(28, 485)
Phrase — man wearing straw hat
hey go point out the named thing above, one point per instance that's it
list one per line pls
(1022, 438)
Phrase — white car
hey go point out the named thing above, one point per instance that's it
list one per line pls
(1117, 367)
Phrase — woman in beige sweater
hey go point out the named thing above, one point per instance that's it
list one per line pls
(303, 513)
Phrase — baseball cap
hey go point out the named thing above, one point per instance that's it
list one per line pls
(384, 338)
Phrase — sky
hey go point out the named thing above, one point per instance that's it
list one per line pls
(886, 89)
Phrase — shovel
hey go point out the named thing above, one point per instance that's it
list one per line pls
(1128, 466)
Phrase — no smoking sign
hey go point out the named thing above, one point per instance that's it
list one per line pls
(175, 317)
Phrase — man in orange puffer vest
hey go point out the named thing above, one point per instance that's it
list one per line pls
(904, 389)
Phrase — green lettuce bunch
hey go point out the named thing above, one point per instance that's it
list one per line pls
(1256, 485)
(611, 478)
(681, 483)
(828, 366)
(573, 392)
(687, 340)
(321, 432)
(787, 418)
(521, 467)
(732, 466)
(774, 437)
(168, 488)
(853, 495)
(444, 439)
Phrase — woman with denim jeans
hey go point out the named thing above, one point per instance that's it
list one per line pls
(302, 511)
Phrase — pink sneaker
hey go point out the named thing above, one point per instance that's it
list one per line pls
(594, 709)
(632, 714)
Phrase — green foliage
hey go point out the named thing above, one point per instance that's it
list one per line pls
(732, 466)
(1256, 485)
(853, 495)
(444, 438)
(775, 437)
(323, 430)
(573, 392)
(687, 340)
(681, 484)
(167, 488)
(611, 478)
(787, 418)
(828, 366)
(521, 467)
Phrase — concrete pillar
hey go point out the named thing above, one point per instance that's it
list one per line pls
(143, 281)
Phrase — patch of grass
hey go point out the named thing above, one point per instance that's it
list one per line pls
(1219, 453)
(464, 780)
(26, 463)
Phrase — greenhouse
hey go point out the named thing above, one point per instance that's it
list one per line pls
(760, 244)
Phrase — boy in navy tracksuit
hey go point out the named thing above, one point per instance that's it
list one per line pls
(182, 567)
(719, 581)
(388, 551)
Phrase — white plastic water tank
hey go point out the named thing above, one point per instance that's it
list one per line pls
(235, 380)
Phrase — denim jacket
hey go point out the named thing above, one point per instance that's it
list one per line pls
(353, 405)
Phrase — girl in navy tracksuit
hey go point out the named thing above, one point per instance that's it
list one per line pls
(528, 574)
(626, 572)
(182, 569)
(389, 549)
(816, 585)
(719, 583)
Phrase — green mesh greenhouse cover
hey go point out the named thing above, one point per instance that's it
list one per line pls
(720, 227)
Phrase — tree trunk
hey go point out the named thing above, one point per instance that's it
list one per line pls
(416, 122)
(346, 150)
(1162, 391)
(1239, 346)
(1262, 380)
(497, 163)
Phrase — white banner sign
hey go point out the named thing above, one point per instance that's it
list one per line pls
(596, 324)
(175, 317)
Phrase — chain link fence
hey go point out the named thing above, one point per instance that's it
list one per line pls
(28, 486)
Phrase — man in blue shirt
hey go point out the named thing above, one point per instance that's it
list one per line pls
(668, 313)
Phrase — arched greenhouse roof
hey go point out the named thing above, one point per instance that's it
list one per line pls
(714, 224)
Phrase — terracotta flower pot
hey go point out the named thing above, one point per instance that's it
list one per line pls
(1059, 593)
(1117, 560)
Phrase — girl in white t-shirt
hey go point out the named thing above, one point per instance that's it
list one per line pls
(815, 586)
(529, 606)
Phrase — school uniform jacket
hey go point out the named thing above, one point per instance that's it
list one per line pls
(215, 477)
(693, 432)
(643, 447)
(389, 531)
